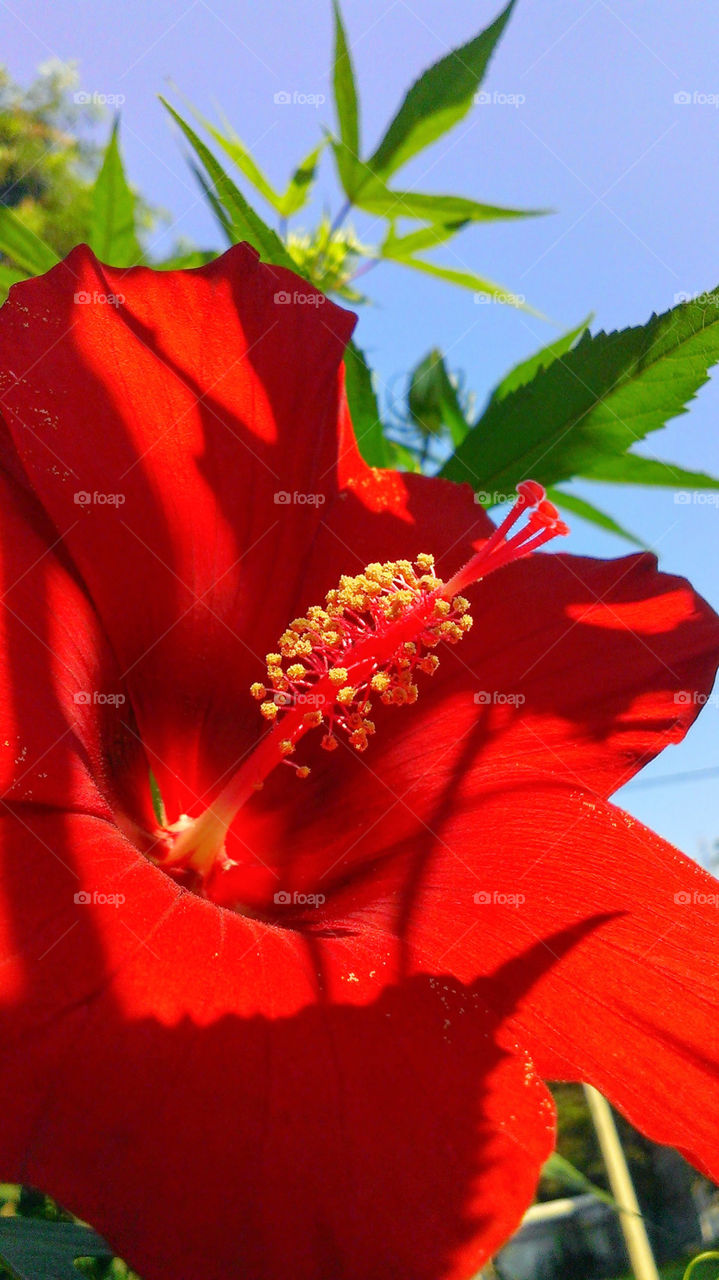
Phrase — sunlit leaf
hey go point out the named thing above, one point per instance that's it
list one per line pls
(524, 372)
(438, 100)
(486, 290)
(598, 399)
(632, 468)
(345, 89)
(300, 184)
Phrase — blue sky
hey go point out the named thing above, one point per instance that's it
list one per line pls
(599, 138)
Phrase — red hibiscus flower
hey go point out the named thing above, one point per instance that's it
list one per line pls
(299, 1026)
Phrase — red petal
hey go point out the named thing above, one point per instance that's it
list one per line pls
(630, 1009)
(194, 403)
(261, 1104)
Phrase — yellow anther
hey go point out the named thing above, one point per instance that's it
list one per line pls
(303, 771)
(345, 696)
(286, 747)
(258, 690)
(312, 719)
(338, 675)
(460, 605)
(269, 710)
(399, 696)
(380, 681)
(466, 621)
(425, 562)
(273, 659)
(429, 664)
(442, 607)
(412, 693)
(296, 671)
(359, 740)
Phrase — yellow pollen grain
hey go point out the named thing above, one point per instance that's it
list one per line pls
(296, 671)
(442, 607)
(312, 719)
(286, 747)
(273, 659)
(345, 696)
(460, 605)
(303, 771)
(258, 690)
(380, 681)
(269, 710)
(338, 675)
(425, 562)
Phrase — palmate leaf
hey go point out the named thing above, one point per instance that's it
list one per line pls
(592, 402)
(112, 234)
(525, 371)
(25, 250)
(438, 100)
(245, 223)
(298, 189)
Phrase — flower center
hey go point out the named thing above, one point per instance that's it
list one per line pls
(373, 638)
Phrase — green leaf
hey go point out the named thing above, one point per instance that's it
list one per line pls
(239, 155)
(245, 223)
(487, 289)
(375, 197)
(586, 511)
(524, 372)
(345, 91)
(221, 216)
(433, 400)
(112, 235)
(364, 410)
(22, 246)
(438, 100)
(596, 400)
(298, 189)
(396, 247)
(632, 468)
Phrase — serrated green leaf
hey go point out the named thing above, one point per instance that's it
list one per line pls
(524, 372)
(632, 468)
(112, 236)
(22, 246)
(596, 400)
(245, 223)
(587, 511)
(375, 197)
(438, 100)
(298, 189)
(487, 289)
(433, 401)
(345, 91)
(364, 410)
